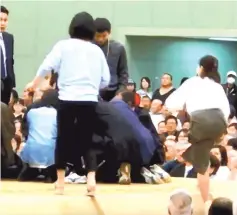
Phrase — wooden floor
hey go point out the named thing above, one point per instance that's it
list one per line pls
(23, 198)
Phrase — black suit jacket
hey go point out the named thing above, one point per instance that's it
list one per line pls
(9, 47)
(179, 171)
(7, 133)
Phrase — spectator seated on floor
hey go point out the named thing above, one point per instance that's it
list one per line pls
(171, 124)
(231, 144)
(221, 206)
(180, 203)
(170, 151)
(186, 125)
(214, 165)
(232, 129)
(183, 136)
(18, 107)
(10, 162)
(156, 112)
(179, 150)
(40, 130)
(221, 153)
(183, 169)
(161, 128)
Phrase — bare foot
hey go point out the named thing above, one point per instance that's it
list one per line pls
(91, 184)
(59, 190)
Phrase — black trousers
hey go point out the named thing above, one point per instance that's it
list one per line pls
(206, 127)
(6, 91)
(76, 126)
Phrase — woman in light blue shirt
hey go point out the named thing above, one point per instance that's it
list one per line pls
(82, 71)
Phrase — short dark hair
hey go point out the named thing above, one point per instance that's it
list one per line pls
(223, 152)
(233, 125)
(221, 206)
(183, 80)
(214, 163)
(210, 68)
(146, 97)
(129, 98)
(102, 25)
(147, 80)
(171, 77)
(4, 10)
(232, 142)
(82, 26)
(171, 117)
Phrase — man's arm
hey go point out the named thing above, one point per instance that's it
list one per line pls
(122, 70)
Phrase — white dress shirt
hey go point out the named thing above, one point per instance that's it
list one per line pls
(187, 170)
(3, 49)
(199, 94)
(82, 69)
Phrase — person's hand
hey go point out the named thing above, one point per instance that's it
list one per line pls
(30, 87)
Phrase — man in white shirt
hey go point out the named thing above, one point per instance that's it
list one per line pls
(82, 71)
(205, 101)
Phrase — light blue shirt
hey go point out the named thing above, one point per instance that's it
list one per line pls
(39, 149)
(82, 69)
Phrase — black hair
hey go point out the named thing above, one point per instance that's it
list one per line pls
(15, 95)
(214, 163)
(171, 117)
(4, 10)
(147, 80)
(129, 98)
(210, 68)
(146, 97)
(233, 125)
(102, 25)
(232, 142)
(50, 98)
(187, 120)
(53, 79)
(82, 26)
(221, 206)
(223, 152)
(183, 80)
(121, 90)
(186, 133)
(171, 77)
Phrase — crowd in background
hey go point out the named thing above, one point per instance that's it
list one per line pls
(36, 162)
(140, 140)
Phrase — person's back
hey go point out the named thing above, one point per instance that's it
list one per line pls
(40, 144)
(80, 69)
(203, 90)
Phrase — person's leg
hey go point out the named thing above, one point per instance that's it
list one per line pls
(65, 122)
(86, 120)
(206, 127)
